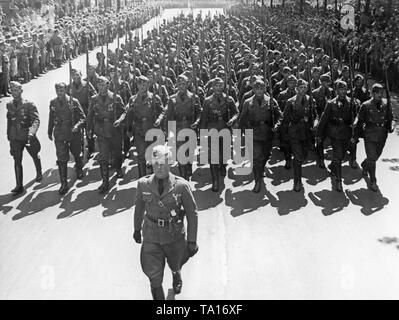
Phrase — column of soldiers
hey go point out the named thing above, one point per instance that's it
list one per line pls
(212, 73)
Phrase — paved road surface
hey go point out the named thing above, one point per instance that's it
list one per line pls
(278, 244)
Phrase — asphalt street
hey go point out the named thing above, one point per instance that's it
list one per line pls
(316, 244)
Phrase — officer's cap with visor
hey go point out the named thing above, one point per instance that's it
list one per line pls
(325, 78)
(376, 88)
(259, 83)
(103, 80)
(60, 85)
(341, 84)
(161, 154)
(142, 79)
(292, 78)
(301, 82)
(15, 84)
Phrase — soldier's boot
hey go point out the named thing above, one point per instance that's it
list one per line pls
(38, 166)
(320, 156)
(258, 175)
(177, 283)
(189, 167)
(297, 176)
(90, 147)
(104, 168)
(338, 170)
(19, 188)
(215, 177)
(373, 179)
(79, 167)
(118, 168)
(331, 167)
(364, 168)
(126, 147)
(223, 170)
(352, 153)
(158, 293)
(287, 157)
(63, 171)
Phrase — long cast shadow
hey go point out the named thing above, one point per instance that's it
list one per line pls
(314, 174)
(331, 201)
(279, 175)
(290, 201)
(369, 201)
(207, 199)
(10, 197)
(244, 202)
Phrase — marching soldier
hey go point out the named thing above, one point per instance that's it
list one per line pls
(262, 115)
(299, 118)
(66, 120)
(184, 108)
(321, 95)
(106, 114)
(57, 45)
(219, 112)
(336, 122)
(81, 90)
(373, 123)
(22, 125)
(145, 112)
(162, 202)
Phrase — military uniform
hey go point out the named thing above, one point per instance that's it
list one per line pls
(22, 125)
(185, 109)
(336, 122)
(161, 218)
(374, 122)
(66, 115)
(299, 118)
(263, 116)
(143, 112)
(103, 112)
(217, 111)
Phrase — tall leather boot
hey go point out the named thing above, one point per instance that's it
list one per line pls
(365, 169)
(258, 174)
(79, 167)
(38, 166)
(215, 177)
(19, 188)
(142, 169)
(373, 179)
(158, 293)
(63, 171)
(90, 147)
(104, 168)
(297, 176)
(177, 283)
(118, 167)
(338, 170)
(320, 155)
(287, 157)
(352, 154)
(333, 169)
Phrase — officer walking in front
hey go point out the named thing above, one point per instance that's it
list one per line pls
(106, 114)
(66, 121)
(373, 123)
(22, 125)
(162, 202)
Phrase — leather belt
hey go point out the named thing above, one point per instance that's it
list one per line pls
(160, 222)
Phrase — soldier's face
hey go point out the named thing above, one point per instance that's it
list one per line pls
(60, 92)
(143, 86)
(359, 83)
(16, 92)
(103, 87)
(291, 85)
(259, 90)
(182, 85)
(378, 95)
(218, 87)
(161, 168)
(342, 92)
(301, 90)
(76, 77)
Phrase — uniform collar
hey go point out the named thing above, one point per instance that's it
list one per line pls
(168, 185)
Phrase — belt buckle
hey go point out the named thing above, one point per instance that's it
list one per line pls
(161, 223)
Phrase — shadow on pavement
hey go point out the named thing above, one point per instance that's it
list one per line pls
(207, 199)
(279, 175)
(119, 201)
(10, 197)
(243, 202)
(351, 176)
(370, 201)
(313, 174)
(331, 201)
(290, 201)
(238, 180)
(31, 205)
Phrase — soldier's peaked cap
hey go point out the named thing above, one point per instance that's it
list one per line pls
(340, 84)
(161, 153)
(301, 82)
(325, 77)
(142, 79)
(103, 80)
(15, 84)
(292, 78)
(376, 87)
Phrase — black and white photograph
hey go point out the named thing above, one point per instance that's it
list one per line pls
(199, 150)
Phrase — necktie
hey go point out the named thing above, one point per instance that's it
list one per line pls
(160, 186)
(182, 97)
(218, 100)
